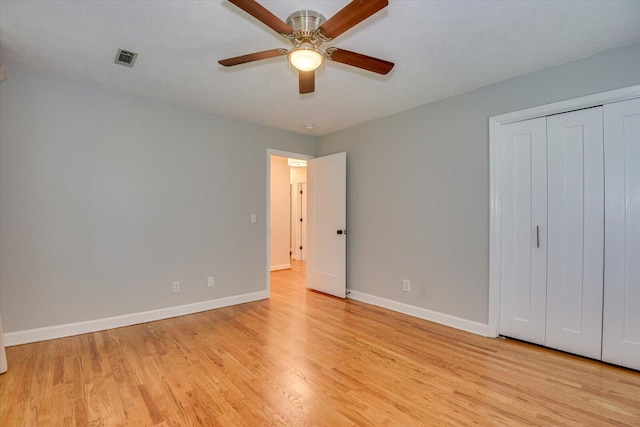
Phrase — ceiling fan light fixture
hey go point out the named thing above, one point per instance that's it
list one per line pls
(306, 57)
(307, 30)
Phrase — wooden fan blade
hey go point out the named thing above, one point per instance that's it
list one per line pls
(359, 60)
(307, 81)
(353, 13)
(258, 11)
(257, 56)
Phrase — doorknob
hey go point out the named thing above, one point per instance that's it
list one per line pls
(342, 231)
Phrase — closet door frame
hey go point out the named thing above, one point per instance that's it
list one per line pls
(495, 123)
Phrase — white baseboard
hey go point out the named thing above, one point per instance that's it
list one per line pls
(69, 329)
(280, 267)
(422, 313)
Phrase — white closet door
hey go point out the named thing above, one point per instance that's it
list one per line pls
(522, 246)
(621, 323)
(575, 232)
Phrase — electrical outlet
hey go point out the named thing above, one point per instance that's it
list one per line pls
(253, 218)
(176, 286)
(406, 285)
(210, 282)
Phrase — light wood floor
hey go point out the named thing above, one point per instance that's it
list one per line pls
(303, 358)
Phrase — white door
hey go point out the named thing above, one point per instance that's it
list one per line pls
(326, 229)
(302, 208)
(621, 322)
(575, 232)
(523, 270)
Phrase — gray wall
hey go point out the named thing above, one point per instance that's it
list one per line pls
(418, 185)
(106, 199)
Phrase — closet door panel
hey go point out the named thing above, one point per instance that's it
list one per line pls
(575, 232)
(523, 207)
(621, 323)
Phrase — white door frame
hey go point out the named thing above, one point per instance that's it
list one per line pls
(274, 152)
(495, 122)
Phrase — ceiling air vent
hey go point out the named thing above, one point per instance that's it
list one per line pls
(126, 57)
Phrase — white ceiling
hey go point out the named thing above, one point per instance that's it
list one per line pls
(440, 48)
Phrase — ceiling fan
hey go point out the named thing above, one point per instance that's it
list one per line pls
(307, 30)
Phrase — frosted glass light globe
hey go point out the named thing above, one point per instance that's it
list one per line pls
(306, 58)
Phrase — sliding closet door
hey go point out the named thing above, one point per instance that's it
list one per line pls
(621, 323)
(523, 213)
(575, 232)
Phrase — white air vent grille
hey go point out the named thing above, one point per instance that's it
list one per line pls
(126, 57)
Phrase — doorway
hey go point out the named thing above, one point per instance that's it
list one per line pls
(286, 211)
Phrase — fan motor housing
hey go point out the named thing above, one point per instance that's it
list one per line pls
(305, 20)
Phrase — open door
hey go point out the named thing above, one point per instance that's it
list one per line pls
(326, 228)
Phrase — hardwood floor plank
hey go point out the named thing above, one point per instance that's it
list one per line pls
(303, 358)
(149, 402)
